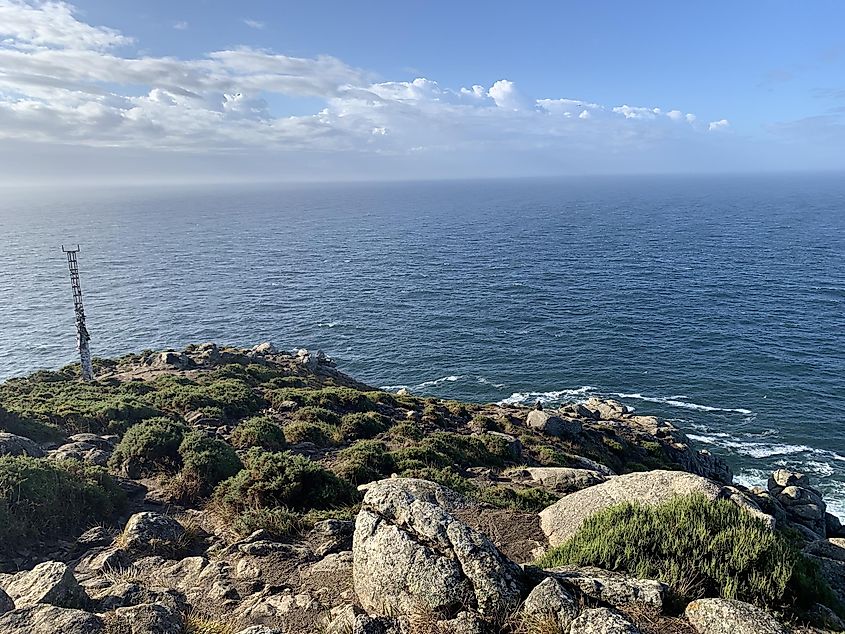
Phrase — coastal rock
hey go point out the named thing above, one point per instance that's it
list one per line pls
(83, 452)
(551, 424)
(724, 616)
(13, 445)
(833, 548)
(264, 349)
(578, 410)
(513, 443)
(606, 409)
(409, 551)
(150, 532)
(602, 621)
(549, 600)
(801, 502)
(783, 478)
(833, 527)
(171, 360)
(562, 519)
(557, 479)
(51, 582)
(149, 617)
(6, 602)
(613, 588)
(48, 619)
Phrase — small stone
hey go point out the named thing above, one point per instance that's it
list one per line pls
(149, 617)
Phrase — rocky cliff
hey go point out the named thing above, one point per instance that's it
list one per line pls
(221, 490)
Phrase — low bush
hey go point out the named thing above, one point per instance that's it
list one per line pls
(179, 394)
(258, 431)
(363, 425)
(443, 449)
(699, 548)
(152, 445)
(340, 399)
(42, 499)
(279, 522)
(318, 433)
(33, 429)
(281, 479)
(210, 459)
(365, 461)
(530, 500)
(315, 414)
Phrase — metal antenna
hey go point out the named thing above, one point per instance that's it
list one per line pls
(82, 336)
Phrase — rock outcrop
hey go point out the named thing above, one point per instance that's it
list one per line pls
(557, 479)
(602, 621)
(49, 619)
(13, 445)
(150, 532)
(410, 553)
(550, 601)
(52, 583)
(723, 616)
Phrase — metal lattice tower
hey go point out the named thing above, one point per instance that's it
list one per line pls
(82, 337)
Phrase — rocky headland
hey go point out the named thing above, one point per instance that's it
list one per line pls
(219, 490)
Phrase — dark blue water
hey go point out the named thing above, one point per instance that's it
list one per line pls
(716, 302)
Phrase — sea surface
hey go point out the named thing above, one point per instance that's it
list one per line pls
(716, 302)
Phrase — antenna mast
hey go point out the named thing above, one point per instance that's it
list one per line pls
(82, 337)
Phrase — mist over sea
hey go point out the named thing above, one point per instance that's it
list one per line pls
(718, 303)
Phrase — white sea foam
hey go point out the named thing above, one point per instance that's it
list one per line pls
(677, 401)
(485, 381)
(327, 324)
(554, 396)
(444, 379)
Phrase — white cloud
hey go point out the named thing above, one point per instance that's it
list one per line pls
(42, 23)
(718, 125)
(505, 95)
(180, 26)
(65, 82)
(254, 24)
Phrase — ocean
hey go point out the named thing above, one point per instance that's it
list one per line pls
(715, 302)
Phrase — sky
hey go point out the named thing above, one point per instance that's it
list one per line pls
(121, 91)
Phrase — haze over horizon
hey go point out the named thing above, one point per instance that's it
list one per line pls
(110, 92)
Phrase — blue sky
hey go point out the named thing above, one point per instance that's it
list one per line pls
(292, 90)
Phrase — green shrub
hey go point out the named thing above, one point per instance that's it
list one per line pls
(33, 429)
(363, 425)
(279, 522)
(211, 459)
(42, 499)
(281, 479)
(341, 399)
(153, 445)
(530, 499)
(73, 405)
(315, 414)
(317, 433)
(442, 449)
(179, 394)
(365, 461)
(699, 548)
(258, 431)
(407, 430)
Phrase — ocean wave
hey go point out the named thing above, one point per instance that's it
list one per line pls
(444, 379)
(677, 401)
(554, 396)
(327, 324)
(751, 446)
(485, 381)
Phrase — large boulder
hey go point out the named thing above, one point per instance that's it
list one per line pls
(551, 424)
(562, 519)
(409, 552)
(723, 616)
(150, 532)
(602, 621)
(51, 582)
(613, 588)
(557, 479)
(549, 601)
(802, 502)
(83, 452)
(13, 445)
(49, 619)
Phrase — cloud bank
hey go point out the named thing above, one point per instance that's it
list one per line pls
(63, 81)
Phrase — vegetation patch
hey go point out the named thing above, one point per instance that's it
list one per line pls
(363, 425)
(339, 399)
(149, 447)
(211, 460)
(699, 548)
(365, 461)
(180, 395)
(272, 480)
(42, 498)
(258, 431)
